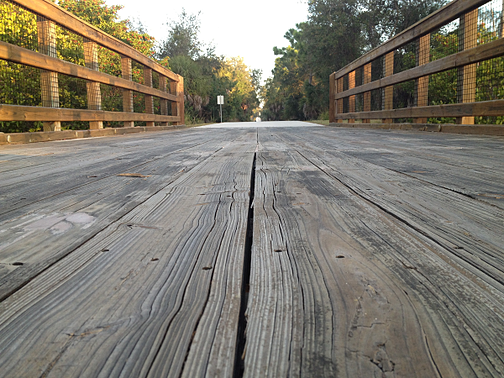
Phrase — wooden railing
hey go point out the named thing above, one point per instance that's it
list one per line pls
(170, 85)
(366, 100)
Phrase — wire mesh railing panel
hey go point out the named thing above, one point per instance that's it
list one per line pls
(359, 76)
(490, 18)
(157, 105)
(137, 71)
(19, 84)
(18, 26)
(346, 107)
(359, 102)
(376, 100)
(377, 68)
(138, 102)
(112, 98)
(155, 80)
(73, 92)
(69, 46)
(443, 87)
(109, 62)
(405, 57)
(404, 94)
(345, 82)
(490, 80)
(444, 41)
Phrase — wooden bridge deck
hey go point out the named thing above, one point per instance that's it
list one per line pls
(306, 251)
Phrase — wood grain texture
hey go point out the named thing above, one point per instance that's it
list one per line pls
(482, 108)
(374, 254)
(345, 272)
(38, 113)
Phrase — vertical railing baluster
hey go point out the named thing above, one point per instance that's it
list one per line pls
(93, 89)
(351, 99)
(177, 88)
(466, 81)
(46, 30)
(332, 98)
(422, 83)
(388, 92)
(149, 103)
(367, 95)
(127, 94)
(163, 102)
(339, 85)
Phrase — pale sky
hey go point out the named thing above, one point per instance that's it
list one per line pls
(248, 29)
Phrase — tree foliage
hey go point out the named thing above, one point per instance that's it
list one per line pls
(206, 75)
(183, 37)
(336, 33)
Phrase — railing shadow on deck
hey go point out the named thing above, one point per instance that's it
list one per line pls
(48, 24)
(445, 73)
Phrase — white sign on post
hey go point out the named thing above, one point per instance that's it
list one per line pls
(220, 101)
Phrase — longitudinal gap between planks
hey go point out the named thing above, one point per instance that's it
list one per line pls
(242, 322)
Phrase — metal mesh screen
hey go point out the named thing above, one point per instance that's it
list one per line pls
(137, 71)
(404, 94)
(69, 46)
(18, 26)
(72, 92)
(109, 62)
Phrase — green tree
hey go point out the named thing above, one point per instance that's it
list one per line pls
(183, 38)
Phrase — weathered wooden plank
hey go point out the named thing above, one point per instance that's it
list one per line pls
(482, 108)
(326, 206)
(366, 261)
(469, 166)
(141, 296)
(90, 187)
(317, 308)
(31, 113)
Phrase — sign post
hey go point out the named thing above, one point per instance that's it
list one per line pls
(220, 101)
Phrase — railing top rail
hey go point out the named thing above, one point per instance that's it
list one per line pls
(53, 12)
(441, 17)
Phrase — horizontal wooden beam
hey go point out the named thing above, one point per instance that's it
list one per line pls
(477, 54)
(41, 114)
(34, 59)
(64, 18)
(432, 22)
(482, 108)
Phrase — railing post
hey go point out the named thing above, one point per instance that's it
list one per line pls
(177, 87)
(48, 80)
(332, 98)
(466, 81)
(93, 89)
(388, 92)
(163, 102)
(127, 94)
(339, 105)
(351, 99)
(422, 83)
(149, 103)
(367, 95)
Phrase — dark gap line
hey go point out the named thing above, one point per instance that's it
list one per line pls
(241, 337)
